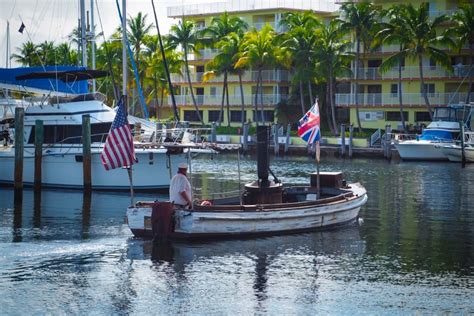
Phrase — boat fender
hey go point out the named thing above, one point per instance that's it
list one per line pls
(162, 220)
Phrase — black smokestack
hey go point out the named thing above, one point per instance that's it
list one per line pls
(262, 154)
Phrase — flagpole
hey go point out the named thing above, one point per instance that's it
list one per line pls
(318, 186)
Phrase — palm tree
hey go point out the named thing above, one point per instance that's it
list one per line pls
(422, 41)
(222, 26)
(184, 34)
(300, 41)
(332, 60)
(393, 32)
(27, 54)
(464, 32)
(138, 30)
(65, 55)
(359, 18)
(258, 51)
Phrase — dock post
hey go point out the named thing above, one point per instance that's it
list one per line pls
(384, 143)
(463, 152)
(351, 132)
(19, 145)
(246, 137)
(343, 140)
(389, 142)
(288, 135)
(86, 152)
(213, 133)
(276, 145)
(39, 136)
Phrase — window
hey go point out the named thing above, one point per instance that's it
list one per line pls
(422, 117)
(192, 116)
(213, 91)
(267, 115)
(236, 116)
(71, 134)
(429, 88)
(432, 63)
(213, 116)
(395, 116)
(394, 90)
(371, 115)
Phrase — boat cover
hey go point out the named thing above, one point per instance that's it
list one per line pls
(8, 76)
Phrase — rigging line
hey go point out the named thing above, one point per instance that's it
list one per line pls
(107, 53)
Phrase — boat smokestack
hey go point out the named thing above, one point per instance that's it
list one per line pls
(262, 155)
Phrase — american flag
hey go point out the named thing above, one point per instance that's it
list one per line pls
(309, 124)
(118, 150)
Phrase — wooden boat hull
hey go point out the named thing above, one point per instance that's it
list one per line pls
(258, 220)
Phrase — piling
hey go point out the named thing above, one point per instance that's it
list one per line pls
(343, 140)
(39, 137)
(276, 145)
(463, 152)
(19, 146)
(86, 152)
(287, 141)
(246, 137)
(389, 142)
(351, 132)
(213, 133)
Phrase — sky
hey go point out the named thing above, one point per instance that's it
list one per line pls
(53, 20)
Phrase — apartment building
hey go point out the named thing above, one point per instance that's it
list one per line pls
(379, 92)
(276, 82)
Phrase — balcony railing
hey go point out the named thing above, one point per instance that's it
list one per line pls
(249, 5)
(248, 76)
(391, 99)
(234, 100)
(413, 72)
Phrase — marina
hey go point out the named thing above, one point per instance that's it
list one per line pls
(410, 252)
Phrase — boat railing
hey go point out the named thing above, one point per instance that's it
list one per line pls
(397, 137)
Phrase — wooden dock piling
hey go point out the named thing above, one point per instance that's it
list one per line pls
(351, 132)
(246, 135)
(463, 151)
(343, 140)
(86, 152)
(288, 135)
(19, 146)
(39, 137)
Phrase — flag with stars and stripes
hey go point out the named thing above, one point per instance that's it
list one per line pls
(309, 125)
(118, 150)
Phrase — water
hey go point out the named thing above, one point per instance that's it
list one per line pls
(412, 252)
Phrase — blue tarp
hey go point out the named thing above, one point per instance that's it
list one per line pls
(7, 76)
(436, 135)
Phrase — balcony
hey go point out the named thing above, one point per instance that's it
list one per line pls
(391, 99)
(413, 72)
(204, 54)
(248, 76)
(232, 6)
(234, 100)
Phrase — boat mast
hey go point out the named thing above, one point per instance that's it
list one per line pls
(83, 34)
(124, 52)
(92, 36)
(7, 62)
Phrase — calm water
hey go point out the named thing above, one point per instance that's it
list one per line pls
(413, 252)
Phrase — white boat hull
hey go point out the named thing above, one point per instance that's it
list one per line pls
(201, 224)
(421, 150)
(454, 154)
(64, 169)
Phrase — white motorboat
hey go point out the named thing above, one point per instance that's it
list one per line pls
(442, 131)
(62, 153)
(454, 151)
(263, 208)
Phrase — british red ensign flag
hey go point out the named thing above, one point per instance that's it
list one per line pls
(118, 150)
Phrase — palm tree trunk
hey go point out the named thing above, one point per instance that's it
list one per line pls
(242, 117)
(470, 74)
(221, 112)
(261, 99)
(423, 88)
(191, 85)
(400, 98)
(302, 98)
(310, 89)
(359, 126)
(331, 101)
(162, 98)
(228, 106)
(155, 86)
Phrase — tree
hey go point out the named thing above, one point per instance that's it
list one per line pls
(332, 60)
(65, 55)
(422, 40)
(258, 51)
(137, 31)
(27, 55)
(359, 18)
(463, 31)
(300, 41)
(184, 34)
(393, 32)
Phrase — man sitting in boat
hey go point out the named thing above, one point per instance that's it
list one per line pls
(180, 188)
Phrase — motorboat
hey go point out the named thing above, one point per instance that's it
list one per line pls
(263, 208)
(454, 151)
(443, 131)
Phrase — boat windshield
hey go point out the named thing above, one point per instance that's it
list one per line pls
(452, 113)
(439, 135)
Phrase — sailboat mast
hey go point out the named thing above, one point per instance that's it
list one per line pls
(83, 34)
(124, 50)
(8, 46)
(93, 42)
